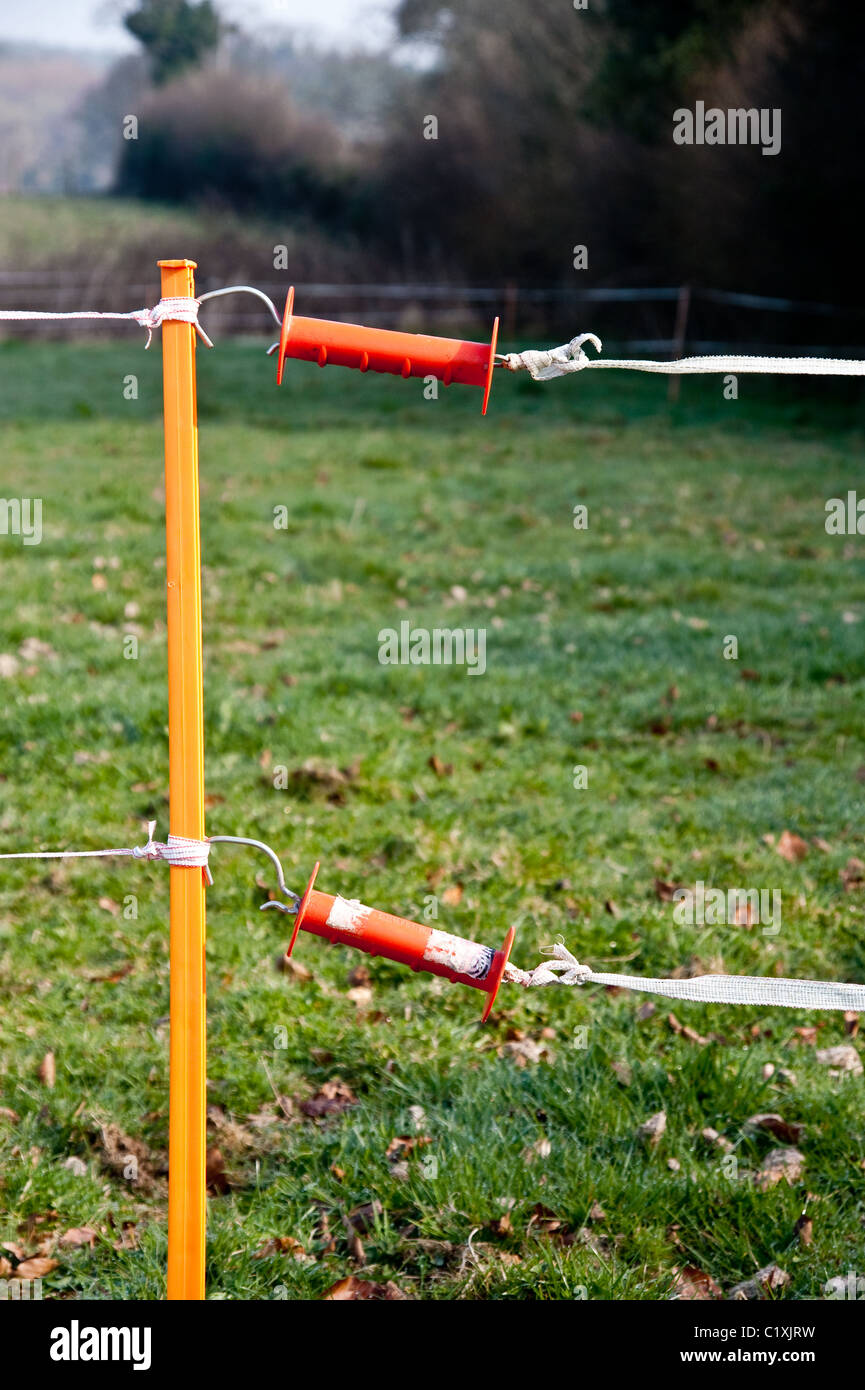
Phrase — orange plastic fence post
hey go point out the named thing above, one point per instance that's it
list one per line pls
(188, 1050)
(420, 947)
(331, 343)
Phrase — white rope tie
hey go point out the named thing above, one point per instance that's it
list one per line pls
(565, 969)
(179, 852)
(178, 308)
(175, 309)
(545, 364)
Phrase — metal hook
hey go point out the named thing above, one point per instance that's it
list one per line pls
(272, 856)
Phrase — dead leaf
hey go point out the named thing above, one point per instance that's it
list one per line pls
(843, 1058)
(5, 1267)
(720, 1141)
(780, 1164)
(363, 1218)
(804, 1229)
(111, 979)
(650, 1130)
(851, 1023)
(403, 1144)
(35, 1268)
(48, 1070)
(545, 1222)
(852, 875)
(216, 1177)
(333, 1098)
(128, 1237)
(79, 1235)
(789, 1132)
(694, 1285)
(528, 1051)
(453, 894)
(791, 847)
(622, 1072)
(542, 1148)
(11, 1115)
(354, 1289)
(109, 905)
(125, 1156)
(665, 891)
(287, 965)
(686, 1032)
(283, 1245)
(765, 1281)
(439, 768)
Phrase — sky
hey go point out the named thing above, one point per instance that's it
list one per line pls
(95, 24)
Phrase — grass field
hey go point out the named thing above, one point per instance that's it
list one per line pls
(415, 782)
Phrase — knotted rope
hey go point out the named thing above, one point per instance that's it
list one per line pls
(173, 309)
(179, 851)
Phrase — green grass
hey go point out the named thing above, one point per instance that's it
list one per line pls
(704, 521)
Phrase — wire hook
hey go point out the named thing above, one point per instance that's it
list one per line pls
(273, 857)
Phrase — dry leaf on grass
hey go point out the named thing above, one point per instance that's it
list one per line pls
(283, 1245)
(128, 1158)
(720, 1141)
(694, 1285)
(35, 1268)
(764, 1282)
(216, 1177)
(843, 1058)
(529, 1052)
(48, 1070)
(403, 1144)
(682, 1030)
(353, 1289)
(651, 1130)
(128, 1237)
(333, 1098)
(789, 1132)
(542, 1148)
(11, 1115)
(287, 965)
(79, 1235)
(804, 1230)
(778, 1165)
(791, 847)
(666, 891)
(363, 1218)
(852, 875)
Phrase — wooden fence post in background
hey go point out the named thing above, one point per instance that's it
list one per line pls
(680, 335)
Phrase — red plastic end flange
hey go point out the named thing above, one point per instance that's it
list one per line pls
(304, 904)
(283, 336)
(497, 969)
(490, 366)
